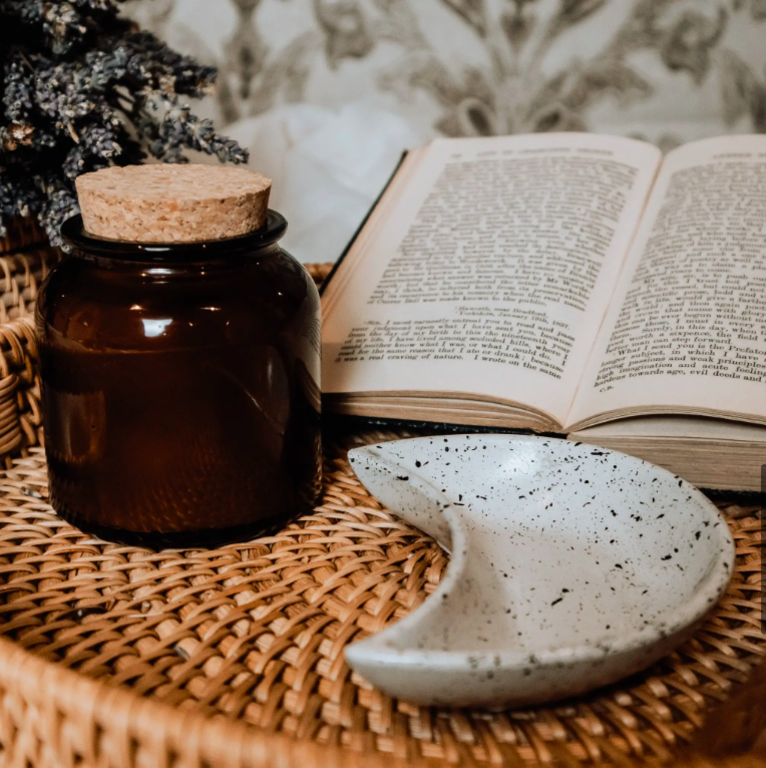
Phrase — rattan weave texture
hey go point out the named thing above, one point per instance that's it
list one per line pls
(21, 233)
(254, 633)
(22, 270)
(118, 656)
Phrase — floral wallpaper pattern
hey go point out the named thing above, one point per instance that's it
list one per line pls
(344, 85)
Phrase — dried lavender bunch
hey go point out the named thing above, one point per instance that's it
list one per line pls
(82, 89)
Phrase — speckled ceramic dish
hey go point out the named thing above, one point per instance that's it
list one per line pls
(572, 567)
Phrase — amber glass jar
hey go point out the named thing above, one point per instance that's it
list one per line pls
(180, 386)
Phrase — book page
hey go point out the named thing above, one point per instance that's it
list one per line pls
(687, 329)
(491, 271)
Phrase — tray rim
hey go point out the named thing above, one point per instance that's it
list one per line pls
(216, 741)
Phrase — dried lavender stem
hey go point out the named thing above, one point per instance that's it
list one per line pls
(82, 89)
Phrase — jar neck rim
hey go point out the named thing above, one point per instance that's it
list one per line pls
(75, 235)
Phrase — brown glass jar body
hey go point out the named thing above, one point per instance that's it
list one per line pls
(180, 387)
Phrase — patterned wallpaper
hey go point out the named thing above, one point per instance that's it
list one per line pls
(326, 93)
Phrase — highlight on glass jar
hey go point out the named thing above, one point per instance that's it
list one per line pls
(180, 360)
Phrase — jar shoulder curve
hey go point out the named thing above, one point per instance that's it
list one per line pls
(60, 285)
(299, 279)
(98, 306)
(278, 291)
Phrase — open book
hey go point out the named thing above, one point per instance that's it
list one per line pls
(569, 283)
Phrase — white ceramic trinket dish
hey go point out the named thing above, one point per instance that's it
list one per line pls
(572, 567)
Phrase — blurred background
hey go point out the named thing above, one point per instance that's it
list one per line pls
(326, 94)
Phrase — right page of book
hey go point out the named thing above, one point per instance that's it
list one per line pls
(686, 330)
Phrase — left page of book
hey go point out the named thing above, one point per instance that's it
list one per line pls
(487, 269)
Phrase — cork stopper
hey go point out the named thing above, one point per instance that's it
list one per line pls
(172, 203)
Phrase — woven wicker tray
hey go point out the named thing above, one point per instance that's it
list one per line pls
(116, 656)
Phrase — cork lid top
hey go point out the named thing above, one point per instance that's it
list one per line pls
(169, 203)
